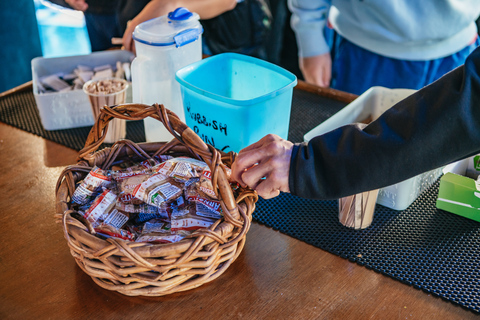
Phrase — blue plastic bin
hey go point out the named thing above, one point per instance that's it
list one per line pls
(233, 100)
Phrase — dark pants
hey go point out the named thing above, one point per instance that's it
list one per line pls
(355, 69)
(102, 27)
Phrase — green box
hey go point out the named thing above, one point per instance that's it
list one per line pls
(459, 194)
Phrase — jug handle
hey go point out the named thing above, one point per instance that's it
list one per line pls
(137, 79)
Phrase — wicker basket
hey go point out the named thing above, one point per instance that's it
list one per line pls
(146, 269)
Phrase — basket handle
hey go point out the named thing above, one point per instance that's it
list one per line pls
(129, 111)
(181, 132)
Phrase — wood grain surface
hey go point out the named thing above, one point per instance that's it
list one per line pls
(275, 277)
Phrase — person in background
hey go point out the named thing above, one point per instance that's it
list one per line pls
(105, 19)
(229, 25)
(21, 39)
(206, 9)
(353, 45)
(435, 126)
(241, 26)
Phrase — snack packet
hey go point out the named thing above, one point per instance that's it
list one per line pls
(181, 169)
(207, 212)
(109, 231)
(205, 206)
(160, 238)
(140, 208)
(142, 217)
(103, 203)
(205, 184)
(102, 211)
(158, 190)
(126, 184)
(91, 186)
(156, 225)
(129, 178)
(189, 219)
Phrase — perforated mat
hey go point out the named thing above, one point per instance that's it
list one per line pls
(20, 110)
(433, 250)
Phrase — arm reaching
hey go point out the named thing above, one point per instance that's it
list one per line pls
(206, 9)
(433, 127)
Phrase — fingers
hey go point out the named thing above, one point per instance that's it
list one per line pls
(253, 176)
(267, 193)
(264, 166)
(127, 37)
(266, 181)
(266, 190)
(253, 146)
(241, 165)
(127, 41)
(249, 157)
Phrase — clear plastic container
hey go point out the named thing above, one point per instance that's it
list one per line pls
(164, 45)
(70, 109)
(233, 100)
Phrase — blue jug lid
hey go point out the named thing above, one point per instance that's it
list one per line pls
(178, 28)
(179, 14)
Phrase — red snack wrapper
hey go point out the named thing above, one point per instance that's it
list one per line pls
(110, 232)
(158, 190)
(205, 184)
(102, 211)
(102, 204)
(181, 169)
(129, 178)
(206, 206)
(91, 186)
(188, 219)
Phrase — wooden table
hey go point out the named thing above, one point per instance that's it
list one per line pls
(275, 277)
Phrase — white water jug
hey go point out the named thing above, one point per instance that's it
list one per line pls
(164, 45)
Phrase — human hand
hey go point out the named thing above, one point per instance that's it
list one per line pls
(317, 69)
(79, 5)
(127, 40)
(206, 9)
(153, 9)
(264, 166)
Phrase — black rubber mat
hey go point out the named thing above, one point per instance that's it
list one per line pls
(433, 250)
(20, 110)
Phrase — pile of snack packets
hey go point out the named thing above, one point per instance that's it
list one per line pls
(159, 200)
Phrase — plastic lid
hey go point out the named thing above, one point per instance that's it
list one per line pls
(180, 14)
(163, 31)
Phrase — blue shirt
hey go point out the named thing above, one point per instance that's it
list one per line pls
(400, 29)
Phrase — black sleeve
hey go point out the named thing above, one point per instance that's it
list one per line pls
(437, 125)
